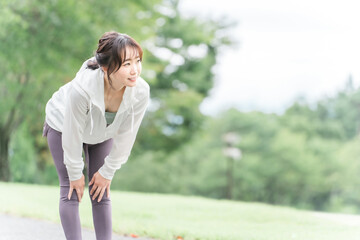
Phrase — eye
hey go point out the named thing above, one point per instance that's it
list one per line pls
(139, 60)
(127, 64)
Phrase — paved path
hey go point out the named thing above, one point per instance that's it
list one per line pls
(16, 228)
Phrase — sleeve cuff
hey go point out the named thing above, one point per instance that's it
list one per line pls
(74, 174)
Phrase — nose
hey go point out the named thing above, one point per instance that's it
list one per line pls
(134, 69)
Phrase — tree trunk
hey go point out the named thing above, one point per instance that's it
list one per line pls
(4, 157)
(12, 122)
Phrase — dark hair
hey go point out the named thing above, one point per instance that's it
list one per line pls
(111, 52)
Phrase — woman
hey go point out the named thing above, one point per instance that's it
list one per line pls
(100, 112)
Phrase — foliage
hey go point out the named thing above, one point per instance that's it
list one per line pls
(23, 156)
(345, 190)
(33, 53)
(182, 55)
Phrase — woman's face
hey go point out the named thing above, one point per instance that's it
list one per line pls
(129, 71)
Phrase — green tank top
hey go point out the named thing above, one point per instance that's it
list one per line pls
(109, 117)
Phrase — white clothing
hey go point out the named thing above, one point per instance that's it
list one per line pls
(77, 110)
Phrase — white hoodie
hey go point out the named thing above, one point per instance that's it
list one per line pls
(77, 110)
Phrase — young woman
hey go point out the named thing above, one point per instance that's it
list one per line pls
(100, 112)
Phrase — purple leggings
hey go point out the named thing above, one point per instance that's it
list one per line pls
(69, 209)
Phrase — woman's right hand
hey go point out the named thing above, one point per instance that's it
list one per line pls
(78, 186)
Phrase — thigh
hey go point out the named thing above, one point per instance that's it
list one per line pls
(57, 152)
(96, 156)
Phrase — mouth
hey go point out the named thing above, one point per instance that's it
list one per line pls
(133, 79)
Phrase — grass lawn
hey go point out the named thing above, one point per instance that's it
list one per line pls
(163, 216)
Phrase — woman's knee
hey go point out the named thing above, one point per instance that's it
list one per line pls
(104, 200)
(64, 191)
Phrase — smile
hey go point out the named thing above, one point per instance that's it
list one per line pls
(132, 79)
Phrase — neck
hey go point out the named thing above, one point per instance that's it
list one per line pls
(109, 90)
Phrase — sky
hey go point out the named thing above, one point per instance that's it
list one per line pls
(287, 50)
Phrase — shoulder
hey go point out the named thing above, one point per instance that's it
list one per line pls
(87, 80)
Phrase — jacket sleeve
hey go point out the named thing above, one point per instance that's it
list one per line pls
(124, 140)
(72, 134)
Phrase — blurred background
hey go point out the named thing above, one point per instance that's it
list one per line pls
(254, 101)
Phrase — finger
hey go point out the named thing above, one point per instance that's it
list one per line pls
(78, 194)
(101, 194)
(93, 189)
(98, 190)
(92, 181)
(70, 192)
(108, 191)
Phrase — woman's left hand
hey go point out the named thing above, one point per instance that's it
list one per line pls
(100, 184)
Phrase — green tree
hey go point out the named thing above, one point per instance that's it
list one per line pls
(182, 56)
(345, 188)
(33, 42)
(343, 109)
